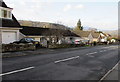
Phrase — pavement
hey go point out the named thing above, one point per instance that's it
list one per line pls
(113, 74)
(90, 63)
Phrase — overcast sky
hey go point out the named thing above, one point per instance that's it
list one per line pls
(100, 14)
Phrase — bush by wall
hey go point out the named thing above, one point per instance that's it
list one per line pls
(17, 47)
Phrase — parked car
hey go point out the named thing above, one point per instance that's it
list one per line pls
(26, 40)
(78, 42)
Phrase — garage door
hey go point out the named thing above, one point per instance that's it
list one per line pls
(8, 37)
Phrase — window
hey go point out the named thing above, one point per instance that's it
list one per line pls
(5, 13)
(9, 14)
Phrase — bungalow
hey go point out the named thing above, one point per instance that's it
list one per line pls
(94, 37)
(83, 34)
(97, 37)
(103, 37)
(9, 27)
(44, 35)
(91, 36)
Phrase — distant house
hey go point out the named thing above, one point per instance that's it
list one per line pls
(83, 34)
(9, 27)
(103, 37)
(94, 37)
(91, 36)
(97, 37)
(58, 36)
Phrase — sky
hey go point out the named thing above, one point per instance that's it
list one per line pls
(100, 14)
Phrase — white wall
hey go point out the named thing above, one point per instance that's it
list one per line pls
(90, 37)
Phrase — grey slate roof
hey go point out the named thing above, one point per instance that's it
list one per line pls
(37, 31)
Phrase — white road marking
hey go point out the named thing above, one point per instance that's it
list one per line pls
(113, 47)
(91, 53)
(107, 47)
(17, 71)
(66, 59)
(101, 51)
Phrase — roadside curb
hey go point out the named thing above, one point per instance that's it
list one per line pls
(111, 70)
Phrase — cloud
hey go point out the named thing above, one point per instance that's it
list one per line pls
(11, 5)
(67, 7)
(80, 6)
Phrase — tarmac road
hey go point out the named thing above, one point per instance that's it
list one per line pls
(74, 64)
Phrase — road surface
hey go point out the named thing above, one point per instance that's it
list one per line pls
(74, 64)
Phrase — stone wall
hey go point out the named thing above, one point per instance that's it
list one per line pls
(17, 47)
(55, 46)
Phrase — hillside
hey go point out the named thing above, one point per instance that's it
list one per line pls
(42, 24)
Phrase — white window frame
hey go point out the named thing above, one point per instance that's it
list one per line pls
(9, 15)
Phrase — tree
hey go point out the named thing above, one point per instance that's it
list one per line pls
(79, 27)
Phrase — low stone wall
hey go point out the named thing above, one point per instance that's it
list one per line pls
(17, 47)
(65, 45)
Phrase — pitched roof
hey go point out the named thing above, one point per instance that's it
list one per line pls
(36, 31)
(82, 33)
(95, 34)
(8, 22)
(2, 4)
(107, 35)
